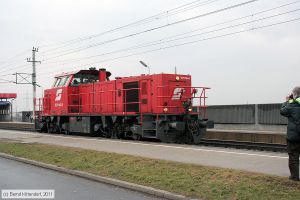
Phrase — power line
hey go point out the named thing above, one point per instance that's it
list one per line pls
(152, 29)
(164, 40)
(196, 41)
(138, 23)
(236, 19)
(161, 40)
(13, 64)
(6, 81)
(6, 75)
(172, 36)
(167, 13)
(186, 43)
(11, 58)
(233, 26)
(10, 64)
(202, 3)
(23, 66)
(148, 30)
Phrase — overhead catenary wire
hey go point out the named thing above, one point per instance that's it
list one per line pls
(185, 43)
(221, 28)
(210, 38)
(176, 10)
(168, 13)
(233, 26)
(6, 81)
(5, 75)
(154, 17)
(13, 57)
(24, 66)
(17, 67)
(151, 29)
(13, 64)
(165, 40)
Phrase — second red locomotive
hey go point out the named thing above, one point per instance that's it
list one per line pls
(158, 106)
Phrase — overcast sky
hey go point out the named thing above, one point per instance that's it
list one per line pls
(260, 65)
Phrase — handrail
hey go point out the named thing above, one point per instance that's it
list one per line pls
(91, 107)
(201, 108)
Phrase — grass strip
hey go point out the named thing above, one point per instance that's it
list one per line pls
(187, 179)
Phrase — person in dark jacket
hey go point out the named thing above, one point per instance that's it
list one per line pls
(291, 110)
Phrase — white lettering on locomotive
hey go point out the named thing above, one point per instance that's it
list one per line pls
(177, 93)
(58, 104)
(185, 78)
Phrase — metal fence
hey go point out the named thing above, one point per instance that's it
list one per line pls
(231, 114)
(268, 114)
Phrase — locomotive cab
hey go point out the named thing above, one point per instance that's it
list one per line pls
(55, 98)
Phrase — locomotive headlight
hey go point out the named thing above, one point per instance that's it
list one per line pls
(190, 109)
(165, 109)
(177, 78)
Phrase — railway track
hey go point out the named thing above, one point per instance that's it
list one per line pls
(17, 126)
(206, 142)
(245, 145)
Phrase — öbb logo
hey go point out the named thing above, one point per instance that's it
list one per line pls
(58, 95)
(177, 93)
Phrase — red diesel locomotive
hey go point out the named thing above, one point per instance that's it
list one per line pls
(158, 106)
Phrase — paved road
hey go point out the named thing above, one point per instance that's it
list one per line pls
(255, 161)
(17, 175)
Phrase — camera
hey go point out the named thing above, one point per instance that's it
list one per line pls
(291, 96)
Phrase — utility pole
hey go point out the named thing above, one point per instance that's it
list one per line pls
(33, 61)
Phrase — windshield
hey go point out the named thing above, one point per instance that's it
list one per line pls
(61, 81)
(83, 79)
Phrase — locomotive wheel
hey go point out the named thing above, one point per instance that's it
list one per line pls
(116, 132)
(137, 137)
(113, 134)
(189, 139)
(43, 127)
(107, 133)
(53, 128)
(49, 128)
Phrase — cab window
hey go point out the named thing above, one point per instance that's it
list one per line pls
(82, 78)
(63, 81)
(57, 81)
